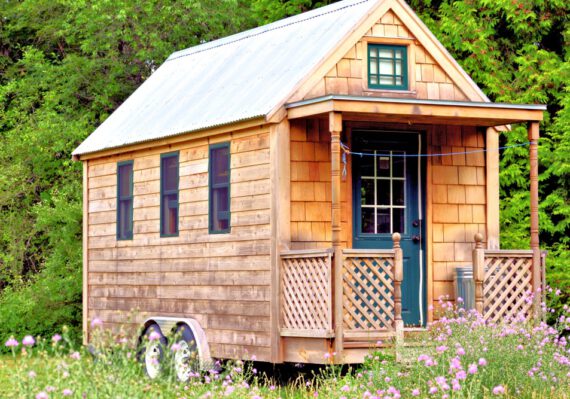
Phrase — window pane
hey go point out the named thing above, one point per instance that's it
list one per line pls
(383, 192)
(367, 191)
(373, 52)
(170, 173)
(220, 165)
(399, 221)
(386, 53)
(398, 194)
(398, 163)
(386, 67)
(385, 80)
(383, 221)
(398, 53)
(170, 214)
(398, 67)
(373, 67)
(383, 164)
(368, 220)
(367, 164)
(125, 219)
(373, 80)
(125, 180)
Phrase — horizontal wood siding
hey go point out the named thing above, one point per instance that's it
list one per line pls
(427, 80)
(458, 202)
(311, 189)
(222, 280)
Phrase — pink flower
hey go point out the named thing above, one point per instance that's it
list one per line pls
(482, 362)
(345, 388)
(42, 395)
(75, 356)
(460, 351)
(327, 355)
(498, 390)
(49, 388)
(416, 392)
(472, 368)
(96, 322)
(175, 347)
(461, 375)
(56, 338)
(154, 336)
(433, 390)
(32, 374)
(441, 349)
(28, 341)
(11, 343)
(67, 392)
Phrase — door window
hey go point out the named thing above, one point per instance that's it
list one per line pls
(383, 192)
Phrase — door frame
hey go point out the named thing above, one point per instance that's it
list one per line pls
(422, 197)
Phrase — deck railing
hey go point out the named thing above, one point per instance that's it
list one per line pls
(505, 281)
(306, 293)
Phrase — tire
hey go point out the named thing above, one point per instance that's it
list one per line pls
(186, 361)
(151, 352)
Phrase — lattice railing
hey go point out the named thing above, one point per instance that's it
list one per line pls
(368, 291)
(306, 293)
(507, 284)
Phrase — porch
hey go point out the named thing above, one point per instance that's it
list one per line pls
(341, 287)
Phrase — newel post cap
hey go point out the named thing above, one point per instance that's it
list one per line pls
(478, 240)
(396, 237)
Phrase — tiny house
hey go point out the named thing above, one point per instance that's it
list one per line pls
(302, 188)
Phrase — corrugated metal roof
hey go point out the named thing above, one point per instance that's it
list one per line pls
(236, 78)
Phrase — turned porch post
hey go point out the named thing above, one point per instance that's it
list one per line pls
(479, 272)
(533, 136)
(398, 277)
(335, 128)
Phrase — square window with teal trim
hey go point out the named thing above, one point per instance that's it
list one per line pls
(387, 67)
(169, 194)
(219, 193)
(125, 200)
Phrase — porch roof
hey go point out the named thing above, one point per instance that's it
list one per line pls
(406, 110)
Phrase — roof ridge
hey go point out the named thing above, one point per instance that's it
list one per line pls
(264, 29)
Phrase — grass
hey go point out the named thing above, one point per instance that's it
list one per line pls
(461, 357)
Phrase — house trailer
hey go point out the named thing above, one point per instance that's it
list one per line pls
(302, 188)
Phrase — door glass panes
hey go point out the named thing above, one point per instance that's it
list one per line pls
(383, 192)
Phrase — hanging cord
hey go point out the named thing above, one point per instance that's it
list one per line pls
(346, 150)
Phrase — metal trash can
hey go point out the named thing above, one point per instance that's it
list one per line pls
(465, 287)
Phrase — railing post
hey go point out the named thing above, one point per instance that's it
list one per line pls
(398, 277)
(479, 272)
(335, 128)
(533, 136)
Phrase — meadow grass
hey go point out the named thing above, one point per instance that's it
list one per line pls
(460, 356)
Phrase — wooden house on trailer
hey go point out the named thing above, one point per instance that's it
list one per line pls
(251, 188)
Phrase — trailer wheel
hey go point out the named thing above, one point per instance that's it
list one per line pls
(151, 352)
(186, 357)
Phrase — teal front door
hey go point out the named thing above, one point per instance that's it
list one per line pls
(388, 198)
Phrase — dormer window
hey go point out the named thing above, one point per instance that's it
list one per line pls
(387, 67)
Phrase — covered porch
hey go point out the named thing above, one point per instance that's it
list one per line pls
(341, 284)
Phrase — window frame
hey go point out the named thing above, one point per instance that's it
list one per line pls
(164, 193)
(212, 187)
(405, 78)
(120, 199)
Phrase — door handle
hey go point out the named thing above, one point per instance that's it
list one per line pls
(416, 238)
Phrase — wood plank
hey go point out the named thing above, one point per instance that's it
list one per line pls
(214, 278)
(213, 293)
(85, 254)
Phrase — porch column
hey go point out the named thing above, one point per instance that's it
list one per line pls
(335, 128)
(533, 136)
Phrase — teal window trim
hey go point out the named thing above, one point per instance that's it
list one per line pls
(125, 198)
(164, 193)
(226, 215)
(394, 60)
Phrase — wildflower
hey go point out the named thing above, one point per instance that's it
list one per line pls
(272, 387)
(49, 388)
(472, 369)
(67, 392)
(498, 390)
(96, 322)
(28, 340)
(441, 349)
(56, 338)
(387, 379)
(42, 395)
(416, 392)
(455, 385)
(433, 390)
(229, 390)
(459, 300)
(11, 342)
(345, 388)
(154, 336)
(75, 356)
(32, 374)
(482, 362)
(327, 355)
(460, 351)
(461, 375)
